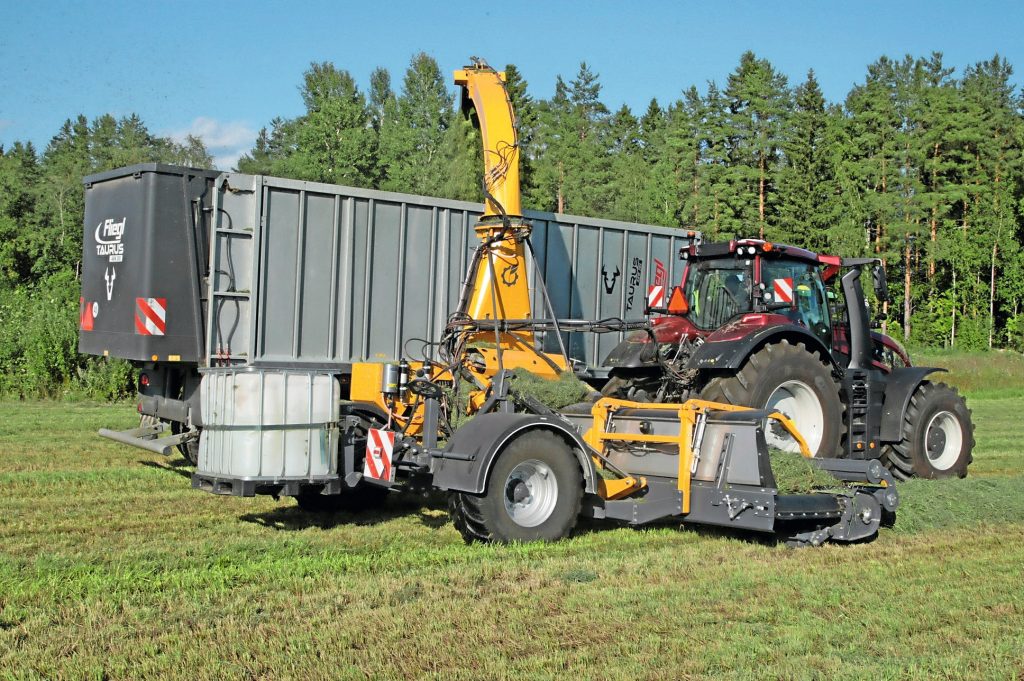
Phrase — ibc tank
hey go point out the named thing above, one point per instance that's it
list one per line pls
(269, 424)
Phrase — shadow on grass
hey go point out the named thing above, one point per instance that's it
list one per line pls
(291, 517)
(177, 466)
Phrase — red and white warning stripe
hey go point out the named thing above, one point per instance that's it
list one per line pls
(656, 297)
(380, 447)
(783, 290)
(150, 316)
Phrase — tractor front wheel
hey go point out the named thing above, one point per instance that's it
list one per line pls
(534, 493)
(938, 435)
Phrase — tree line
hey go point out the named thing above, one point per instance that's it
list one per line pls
(918, 166)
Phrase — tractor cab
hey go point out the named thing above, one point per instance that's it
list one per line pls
(753, 277)
(730, 288)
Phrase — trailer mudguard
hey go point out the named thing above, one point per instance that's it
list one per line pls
(900, 385)
(732, 351)
(465, 462)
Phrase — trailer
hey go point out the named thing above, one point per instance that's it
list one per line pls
(185, 268)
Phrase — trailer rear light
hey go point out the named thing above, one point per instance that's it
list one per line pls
(768, 246)
(144, 380)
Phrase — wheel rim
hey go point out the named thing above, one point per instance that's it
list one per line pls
(797, 401)
(943, 440)
(530, 493)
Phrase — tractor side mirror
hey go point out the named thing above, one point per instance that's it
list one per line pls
(880, 283)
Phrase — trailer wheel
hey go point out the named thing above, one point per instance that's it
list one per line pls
(938, 435)
(353, 500)
(791, 379)
(534, 492)
(190, 449)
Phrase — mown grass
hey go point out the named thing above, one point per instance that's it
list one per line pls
(111, 567)
(996, 373)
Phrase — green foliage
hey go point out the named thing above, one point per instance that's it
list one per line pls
(39, 345)
(553, 393)
(796, 474)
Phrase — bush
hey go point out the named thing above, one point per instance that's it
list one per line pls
(39, 346)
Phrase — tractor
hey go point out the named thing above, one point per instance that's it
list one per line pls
(781, 328)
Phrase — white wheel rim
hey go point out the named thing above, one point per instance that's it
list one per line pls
(800, 404)
(530, 493)
(943, 440)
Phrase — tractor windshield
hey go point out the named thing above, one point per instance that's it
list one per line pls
(717, 290)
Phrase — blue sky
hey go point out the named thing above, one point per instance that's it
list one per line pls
(224, 69)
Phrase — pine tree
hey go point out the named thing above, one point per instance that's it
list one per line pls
(527, 122)
(629, 170)
(759, 104)
(807, 179)
(334, 140)
(411, 141)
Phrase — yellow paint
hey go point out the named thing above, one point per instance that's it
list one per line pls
(500, 285)
(791, 429)
(617, 488)
(405, 410)
(601, 433)
(485, 87)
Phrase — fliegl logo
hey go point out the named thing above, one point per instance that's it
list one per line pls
(108, 240)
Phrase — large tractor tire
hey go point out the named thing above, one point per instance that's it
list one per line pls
(534, 493)
(795, 381)
(938, 435)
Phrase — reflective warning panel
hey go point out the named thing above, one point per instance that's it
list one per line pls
(380, 447)
(151, 316)
(783, 289)
(656, 297)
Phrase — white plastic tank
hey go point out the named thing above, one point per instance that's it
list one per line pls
(269, 424)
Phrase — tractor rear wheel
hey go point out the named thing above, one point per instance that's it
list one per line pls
(534, 492)
(795, 381)
(938, 435)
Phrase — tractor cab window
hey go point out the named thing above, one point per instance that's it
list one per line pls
(798, 284)
(717, 290)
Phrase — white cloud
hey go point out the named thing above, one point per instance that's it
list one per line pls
(226, 141)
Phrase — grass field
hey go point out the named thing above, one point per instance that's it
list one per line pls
(111, 567)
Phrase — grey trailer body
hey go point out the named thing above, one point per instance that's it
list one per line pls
(315, 275)
(186, 268)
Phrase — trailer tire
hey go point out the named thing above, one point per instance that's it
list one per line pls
(796, 377)
(190, 449)
(534, 493)
(354, 500)
(938, 435)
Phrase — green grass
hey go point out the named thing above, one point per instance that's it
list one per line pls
(112, 567)
(999, 372)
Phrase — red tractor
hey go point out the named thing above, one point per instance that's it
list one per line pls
(776, 327)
